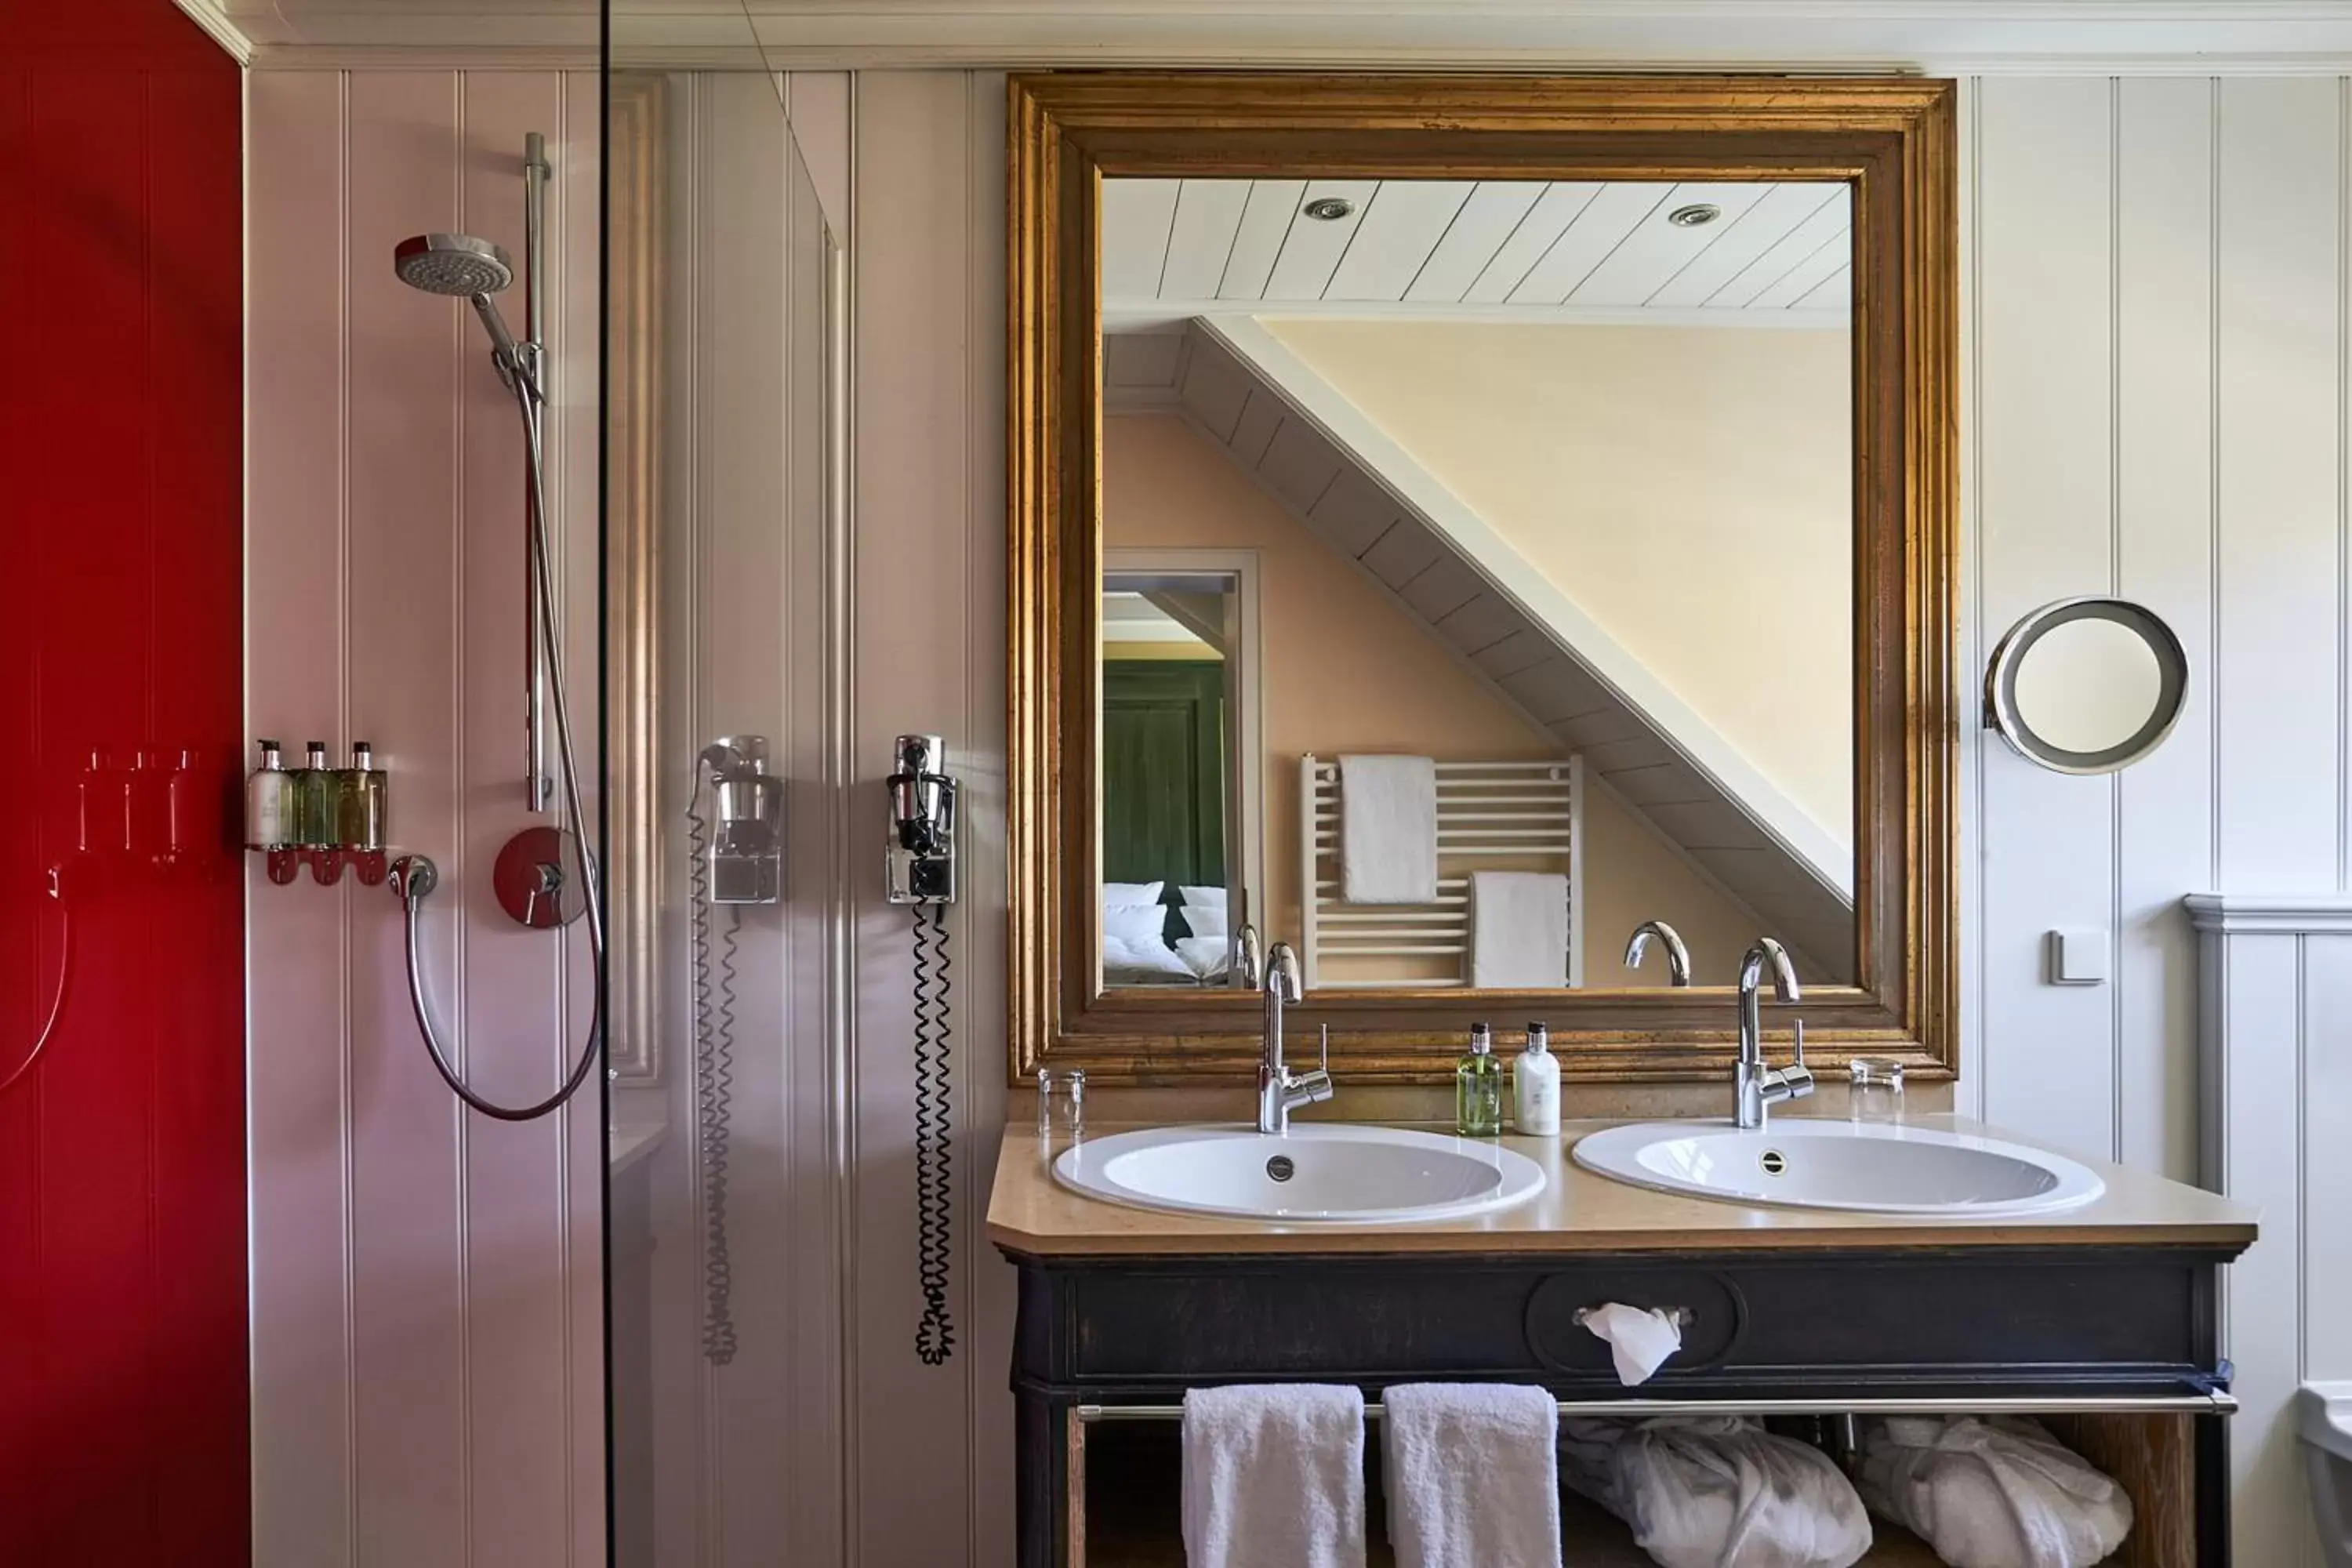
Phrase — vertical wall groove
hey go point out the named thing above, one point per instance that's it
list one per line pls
(2213, 501)
(2120, 960)
(1977, 1064)
(461, 854)
(342, 725)
(2343, 478)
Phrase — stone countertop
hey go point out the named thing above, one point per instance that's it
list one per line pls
(1580, 1211)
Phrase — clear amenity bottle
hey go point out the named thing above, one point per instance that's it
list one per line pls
(360, 813)
(1478, 1087)
(1535, 1085)
(273, 813)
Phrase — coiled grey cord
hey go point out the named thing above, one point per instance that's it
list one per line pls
(414, 876)
(714, 1083)
(934, 1118)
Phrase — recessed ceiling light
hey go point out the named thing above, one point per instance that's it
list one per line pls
(1330, 209)
(1699, 215)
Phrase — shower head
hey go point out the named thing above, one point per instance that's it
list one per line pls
(465, 267)
(453, 264)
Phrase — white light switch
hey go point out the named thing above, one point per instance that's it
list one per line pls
(2078, 957)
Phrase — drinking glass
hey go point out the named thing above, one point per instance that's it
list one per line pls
(1877, 1092)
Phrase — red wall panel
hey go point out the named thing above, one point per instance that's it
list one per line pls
(122, 1262)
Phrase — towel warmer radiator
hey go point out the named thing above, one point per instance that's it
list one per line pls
(1514, 817)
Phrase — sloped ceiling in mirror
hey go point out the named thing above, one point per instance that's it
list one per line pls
(1283, 424)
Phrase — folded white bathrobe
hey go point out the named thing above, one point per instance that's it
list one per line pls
(1717, 1492)
(1992, 1492)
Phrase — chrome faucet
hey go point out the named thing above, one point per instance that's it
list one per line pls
(1279, 1090)
(1678, 955)
(1249, 960)
(1756, 1087)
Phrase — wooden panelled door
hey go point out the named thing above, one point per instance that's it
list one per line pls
(1163, 745)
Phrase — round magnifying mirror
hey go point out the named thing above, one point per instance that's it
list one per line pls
(2086, 685)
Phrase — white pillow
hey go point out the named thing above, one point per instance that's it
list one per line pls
(1121, 958)
(1205, 920)
(1205, 897)
(1145, 925)
(1132, 895)
(1208, 955)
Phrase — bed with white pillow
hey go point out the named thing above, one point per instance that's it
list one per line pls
(1138, 948)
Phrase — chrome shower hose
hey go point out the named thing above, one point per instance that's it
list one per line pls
(414, 877)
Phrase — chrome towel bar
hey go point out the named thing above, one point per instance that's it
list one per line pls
(2198, 1402)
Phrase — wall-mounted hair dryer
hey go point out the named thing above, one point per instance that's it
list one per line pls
(921, 865)
(746, 856)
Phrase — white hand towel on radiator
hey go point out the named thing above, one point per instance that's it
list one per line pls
(1519, 931)
(1273, 1477)
(1472, 1472)
(1387, 830)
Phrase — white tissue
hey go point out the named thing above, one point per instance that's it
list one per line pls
(1639, 1340)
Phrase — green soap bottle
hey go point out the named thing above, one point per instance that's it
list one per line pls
(359, 801)
(1478, 1087)
(314, 799)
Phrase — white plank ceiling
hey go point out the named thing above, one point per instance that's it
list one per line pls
(1779, 252)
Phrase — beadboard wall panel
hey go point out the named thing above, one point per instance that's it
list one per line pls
(747, 1453)
(2157, 394)
(2276, 1077)
(932, 1481)
(425, 1300)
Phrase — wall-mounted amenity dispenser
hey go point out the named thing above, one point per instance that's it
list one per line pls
(330, 817)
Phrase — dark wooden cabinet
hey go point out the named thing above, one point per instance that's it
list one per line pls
(2117, 1345)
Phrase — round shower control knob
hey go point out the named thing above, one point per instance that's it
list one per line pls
(533, 878)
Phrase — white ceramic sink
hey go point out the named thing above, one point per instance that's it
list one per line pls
(1874, 1167)
(1325, 1171)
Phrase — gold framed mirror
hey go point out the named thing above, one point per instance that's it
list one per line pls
(1135, 863)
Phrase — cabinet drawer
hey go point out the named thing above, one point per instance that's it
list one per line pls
(2024, 1317)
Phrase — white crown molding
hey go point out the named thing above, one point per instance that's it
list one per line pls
(2271, 914)
(207, 15)
(1936, 37)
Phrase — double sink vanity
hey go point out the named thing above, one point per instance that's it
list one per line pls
(1924, 1268)
(1456, 522)
(1816, 1270)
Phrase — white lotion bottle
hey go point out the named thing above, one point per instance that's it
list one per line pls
(1535, 1085)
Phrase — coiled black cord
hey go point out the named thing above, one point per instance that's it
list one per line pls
(714, 1083)
(935, 1335)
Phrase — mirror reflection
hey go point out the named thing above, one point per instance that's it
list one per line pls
(2086, 685)
(1479, 579)
(1178, 699)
